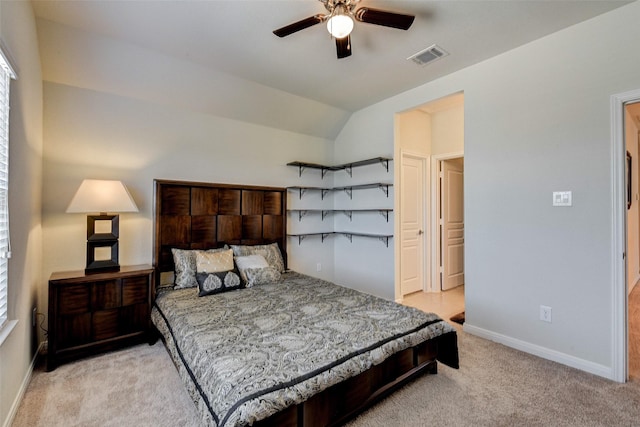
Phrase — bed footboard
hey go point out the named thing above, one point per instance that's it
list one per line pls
(341, 402)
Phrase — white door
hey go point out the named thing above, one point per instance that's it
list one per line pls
(452, 231)
(412, 225)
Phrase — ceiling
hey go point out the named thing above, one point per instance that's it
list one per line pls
(235, 37)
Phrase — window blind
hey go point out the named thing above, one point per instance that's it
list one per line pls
(6, 74)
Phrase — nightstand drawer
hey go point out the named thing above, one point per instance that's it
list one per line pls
(74, 299)
(74, 330)
(105, 324)
(135, 290)
(106, 294)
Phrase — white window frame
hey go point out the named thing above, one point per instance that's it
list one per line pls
(6, 75)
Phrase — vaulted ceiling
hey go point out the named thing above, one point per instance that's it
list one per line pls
(234, 40)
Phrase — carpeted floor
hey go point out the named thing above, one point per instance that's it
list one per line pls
(495, 386)
(138, 386)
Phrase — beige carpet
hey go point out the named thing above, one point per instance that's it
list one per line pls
(495, 386)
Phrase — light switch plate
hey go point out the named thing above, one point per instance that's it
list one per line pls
(562, 198)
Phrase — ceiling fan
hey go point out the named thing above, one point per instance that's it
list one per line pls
(340, 21)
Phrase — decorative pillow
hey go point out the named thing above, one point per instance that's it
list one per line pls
(185, 266)
(255, 270)
(221, 281)
(270, 252)
(214, 262)
(261, 276)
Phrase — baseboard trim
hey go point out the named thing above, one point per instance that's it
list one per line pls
(23, 388)
(543, 352)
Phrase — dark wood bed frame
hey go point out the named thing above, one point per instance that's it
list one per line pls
(193, 215)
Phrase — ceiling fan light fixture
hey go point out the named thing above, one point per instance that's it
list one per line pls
(341, 20)
(340, 24)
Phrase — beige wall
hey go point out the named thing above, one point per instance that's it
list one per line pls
(26, 288)
(447, 131)
(413, 132)
(436, 128)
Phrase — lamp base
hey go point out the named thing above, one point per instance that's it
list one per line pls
(102, 248)
(101, 267)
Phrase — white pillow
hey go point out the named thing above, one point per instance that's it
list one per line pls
(251, 261)
(255, 270)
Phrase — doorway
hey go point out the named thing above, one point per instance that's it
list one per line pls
(449, 223)
(620, 199)
(412, 223)
(434, 131)
(632, 183)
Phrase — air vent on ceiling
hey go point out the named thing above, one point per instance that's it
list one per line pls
(430, 54)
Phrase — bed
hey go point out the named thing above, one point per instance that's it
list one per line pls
(291, 350)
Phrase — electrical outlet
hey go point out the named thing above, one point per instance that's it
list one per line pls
(318, 267)
(545, 313)
(34, 316)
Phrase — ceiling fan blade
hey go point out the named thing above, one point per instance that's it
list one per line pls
(299, 25)
(387, 19)
(343, 47)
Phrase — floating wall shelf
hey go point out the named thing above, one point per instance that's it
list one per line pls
(348, 167)
(384, 238)
(348, 212)
(347, 189)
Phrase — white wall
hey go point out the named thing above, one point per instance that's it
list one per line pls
(96, 135)
(366, 264)
(18, 35)
(536, 120)
(87, 60)
(93, 128)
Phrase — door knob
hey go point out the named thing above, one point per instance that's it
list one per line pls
(420, 232)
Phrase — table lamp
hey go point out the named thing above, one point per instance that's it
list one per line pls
(104, 198)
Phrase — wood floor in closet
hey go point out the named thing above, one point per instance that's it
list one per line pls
(634, 334)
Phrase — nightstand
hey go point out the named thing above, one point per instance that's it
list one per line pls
(93, 313)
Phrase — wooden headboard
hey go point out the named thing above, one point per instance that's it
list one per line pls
(197, 215)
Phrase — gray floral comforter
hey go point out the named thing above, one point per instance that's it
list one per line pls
(249, 353)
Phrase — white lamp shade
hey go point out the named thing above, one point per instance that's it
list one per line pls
(101, 196)
(340, 25)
